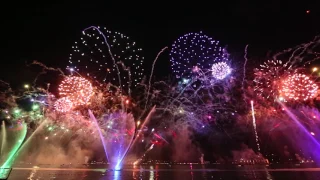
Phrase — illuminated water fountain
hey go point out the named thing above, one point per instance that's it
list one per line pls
(9, 150)
(3, 137)
(116, 132)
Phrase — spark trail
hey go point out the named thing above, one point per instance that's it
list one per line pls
(255, 126)
(244, 65)
(111, 54)
(153, 64)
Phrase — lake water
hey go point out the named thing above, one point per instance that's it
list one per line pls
(185, 172)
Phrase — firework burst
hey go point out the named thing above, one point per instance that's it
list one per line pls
(193, 52)
(220, 70)
(63, 104)
(268, 78)
(298, 87)
(107, 56)
(77, 89)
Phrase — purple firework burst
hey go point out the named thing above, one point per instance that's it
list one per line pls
(195, 51)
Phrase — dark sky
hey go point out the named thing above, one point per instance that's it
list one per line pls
(45, 32)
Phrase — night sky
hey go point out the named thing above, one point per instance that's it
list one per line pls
(46, 32)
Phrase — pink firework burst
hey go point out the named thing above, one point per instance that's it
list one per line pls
(298, 87)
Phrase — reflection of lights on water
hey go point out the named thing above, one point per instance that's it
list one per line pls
(33, 172)
(116, 175)
(191, 172)
(151, 173)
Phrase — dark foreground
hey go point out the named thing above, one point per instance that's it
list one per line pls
(173, 172)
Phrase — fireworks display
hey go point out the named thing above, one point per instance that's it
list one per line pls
(101, 108)
(63, 104)
(195, 51)
(107, 56)
(268, 78)
(220, 70)
(77, 89)
(298, 87)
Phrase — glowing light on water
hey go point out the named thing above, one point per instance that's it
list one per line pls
(151, 177)
(116, 175)
(255, 125)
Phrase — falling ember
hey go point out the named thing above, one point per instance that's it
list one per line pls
(255, 125)
(312, 133)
